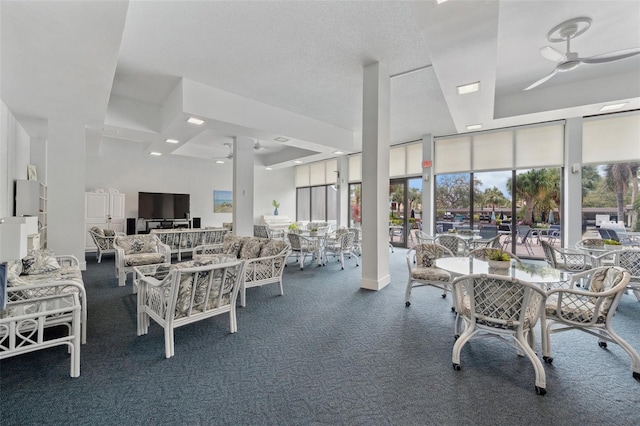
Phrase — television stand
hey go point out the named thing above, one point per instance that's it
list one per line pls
(166, 224)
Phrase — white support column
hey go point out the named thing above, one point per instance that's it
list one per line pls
(572, 203)
(343, 191)
(375, 178)
(428, 224)
(243, 186)
(66, 172)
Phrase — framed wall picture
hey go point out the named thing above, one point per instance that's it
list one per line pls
(222, 202)
(32, 174)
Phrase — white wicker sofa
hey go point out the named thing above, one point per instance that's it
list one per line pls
(265, 259)
(186, 240)
(187, 292)
(41, 273)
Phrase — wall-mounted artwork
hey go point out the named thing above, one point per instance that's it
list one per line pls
(222, 201)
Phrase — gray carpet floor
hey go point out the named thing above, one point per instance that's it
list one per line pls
(325, 353)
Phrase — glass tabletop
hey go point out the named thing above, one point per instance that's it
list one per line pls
(158, 272)
(525, 272)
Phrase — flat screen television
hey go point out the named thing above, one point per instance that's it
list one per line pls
(159, 205)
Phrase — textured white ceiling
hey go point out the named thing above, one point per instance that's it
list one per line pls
(65, 59)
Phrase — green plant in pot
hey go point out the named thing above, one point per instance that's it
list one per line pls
(612, 244)
(498, 261)
(275, 205)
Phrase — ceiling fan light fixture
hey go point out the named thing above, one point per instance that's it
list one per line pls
(612, 107)
(195, 120)
(474, 126)
(468, 88)
(171, 140)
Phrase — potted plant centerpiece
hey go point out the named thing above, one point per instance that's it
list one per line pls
(293, 227)
(612, 244)
(275, 205)
(499, 261)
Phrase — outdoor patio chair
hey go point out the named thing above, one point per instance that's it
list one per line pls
(425, 272)
(589, 310)
(261, 231)
(502, 307)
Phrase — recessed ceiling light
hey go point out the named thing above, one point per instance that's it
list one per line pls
(155, 153)
(468, 88)
(196, 121)
(297, 162)
(219, 162)
(441, 1)
(281, 139)
(268, 168)
(338, 152)
(612, 107)
(171, 140)
(474, 126)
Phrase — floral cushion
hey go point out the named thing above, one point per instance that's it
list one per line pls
(426, 254)
(143, 259)
(136, 244)
(272, 247)
(232, 244)
(98, 231)
(251, 248)
(38, 262)
(430, 274)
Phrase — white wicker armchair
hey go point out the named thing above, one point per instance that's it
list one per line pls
(503, 307)
(425, 272)
(138, 250)
(103, 239)
(590, 310)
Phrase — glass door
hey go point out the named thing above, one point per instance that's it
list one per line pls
(405, 209)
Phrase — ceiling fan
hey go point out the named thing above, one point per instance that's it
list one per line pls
(570, 60)
(229, 156)
(256, 146)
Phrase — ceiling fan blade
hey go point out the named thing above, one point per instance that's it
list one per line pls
(552, 54)
(611, 56)
(542, 80)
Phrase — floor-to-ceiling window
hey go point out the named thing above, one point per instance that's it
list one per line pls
(610, 178)
(474, 175)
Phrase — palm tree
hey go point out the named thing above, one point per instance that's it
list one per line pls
(494, 197)
(531, 187)
(618, 176)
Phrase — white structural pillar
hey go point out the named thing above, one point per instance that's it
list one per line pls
(342, 183)
(65, 188)
(428, 225)
(572, 203)
(375, 178)
(243, 186)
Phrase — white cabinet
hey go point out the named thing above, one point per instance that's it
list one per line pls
(104, 210)
(31, 200)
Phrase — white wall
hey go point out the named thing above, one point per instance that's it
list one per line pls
(126, 167)
(14, 157)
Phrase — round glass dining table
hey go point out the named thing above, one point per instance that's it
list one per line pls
(540, 274)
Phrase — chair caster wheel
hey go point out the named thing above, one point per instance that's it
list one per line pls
(456, 367)
(444, 296)
(407, 303)
(548, 359)
(636, 375)
(456, 337)
(453, 309)
(541, 391)
(603, 345)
